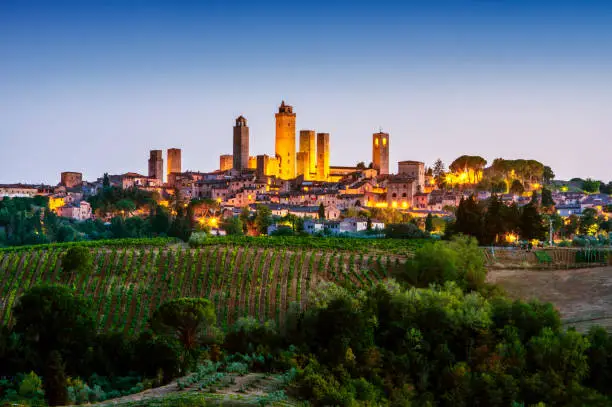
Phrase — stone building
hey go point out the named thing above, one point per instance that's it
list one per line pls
(241, 144)
(303, 168)
(414, 169)
(322, 156)
(174, 161)
(308, 146)
(226, 162)
(156, 165)
(252, 162)
(285, 141)
(267, 166)
(77, 211)
(18, 191)
(400, 191)
(71, 179)
(380, 152)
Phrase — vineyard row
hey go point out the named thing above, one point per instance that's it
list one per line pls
(127, 285)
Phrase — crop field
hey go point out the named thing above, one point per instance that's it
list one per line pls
(127, 284)
(582, 296)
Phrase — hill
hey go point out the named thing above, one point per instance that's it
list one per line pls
(127, 284)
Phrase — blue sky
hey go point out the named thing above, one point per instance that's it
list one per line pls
(91, 86)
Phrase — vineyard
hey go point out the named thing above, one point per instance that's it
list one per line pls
(127, 284)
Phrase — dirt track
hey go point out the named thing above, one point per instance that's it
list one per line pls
(579, 295)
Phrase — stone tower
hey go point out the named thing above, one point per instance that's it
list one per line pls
(156, 165)
(380, 152)
(71, 179)
(174, 160)
(241, 144)
(225, 162)
(322, 156)
(301, 159)
(308, 145)
(285, 141)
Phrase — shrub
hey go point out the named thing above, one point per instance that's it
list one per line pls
(77, 259)
(238, 368)
(433, 263)
(459, 260)
(30, 387)
(248, 335)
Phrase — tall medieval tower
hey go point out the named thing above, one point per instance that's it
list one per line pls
(156, 165)
(174, 161)
(308, 146)
(380, 152)
(285, 141)
(322, 156)
(241, 144)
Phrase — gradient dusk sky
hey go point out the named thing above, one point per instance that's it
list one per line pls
(92, 86)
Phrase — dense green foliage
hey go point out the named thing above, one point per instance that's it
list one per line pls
(442, 337)
(28, 221)
(185, 320)
(459, 261)
(21, 222)
(488, 221)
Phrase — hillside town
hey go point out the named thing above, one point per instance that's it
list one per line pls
(299, 181)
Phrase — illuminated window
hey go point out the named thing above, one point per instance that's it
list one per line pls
(376, 142)
(384, 141)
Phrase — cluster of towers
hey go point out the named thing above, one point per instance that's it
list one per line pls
(308, 158)
(156, 163)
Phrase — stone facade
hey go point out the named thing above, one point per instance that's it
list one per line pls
(302, 161)
(174, 160)
(71, 179)
(241, 144)
(414, 169)
(285, 141)
(380, 152)
(80, 211)
(308, 146)
(322, 156)
(267, 166)
(226, 162)
(156, 165)
(400, 192)
(18, 191)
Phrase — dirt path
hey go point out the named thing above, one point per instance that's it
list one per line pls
(147, 394)
(580, 294)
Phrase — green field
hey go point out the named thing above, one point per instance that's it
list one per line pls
(241, 277)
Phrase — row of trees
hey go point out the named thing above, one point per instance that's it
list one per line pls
(592, 186)
(502, 176)
(29, 221)
(490, 221)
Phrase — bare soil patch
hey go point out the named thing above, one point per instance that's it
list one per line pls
(582, 296)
